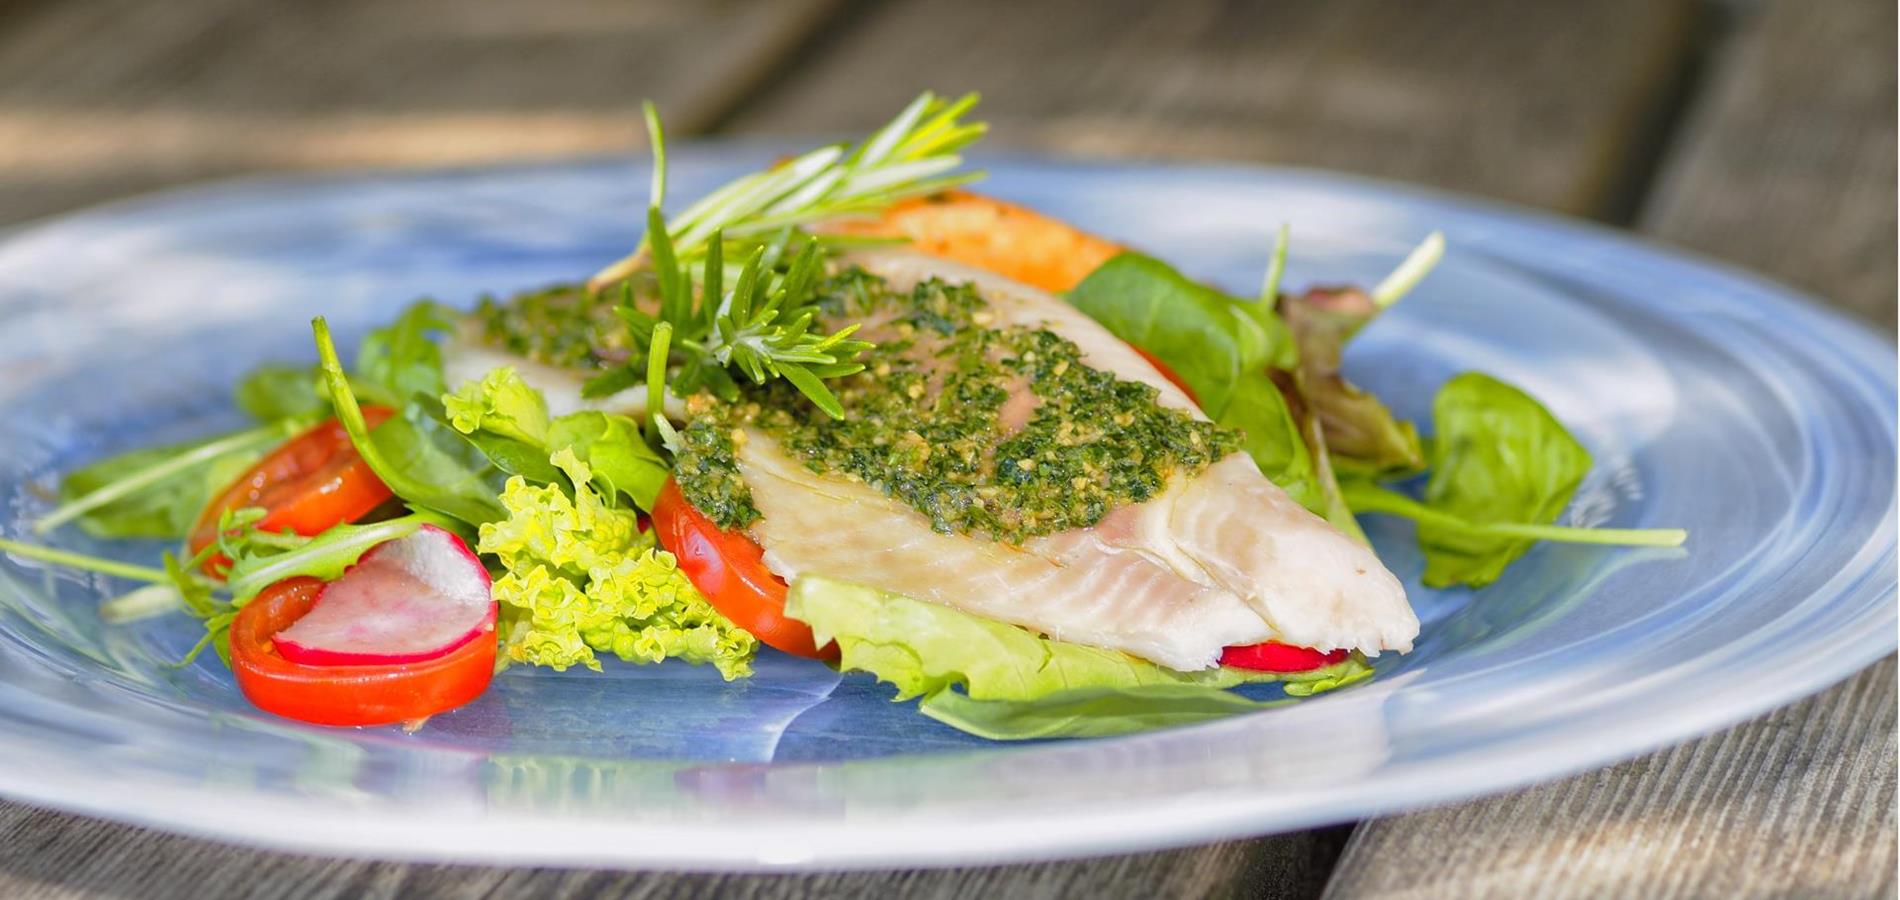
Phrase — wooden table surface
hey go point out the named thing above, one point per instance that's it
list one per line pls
(1759, 132)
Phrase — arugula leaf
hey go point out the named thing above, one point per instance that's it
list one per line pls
(1361, 433)
(156, 492)
(256, 566)
(1004, 682)
(428, 466)
(1498, 456)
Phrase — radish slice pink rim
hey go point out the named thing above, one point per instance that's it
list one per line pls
(408, 600)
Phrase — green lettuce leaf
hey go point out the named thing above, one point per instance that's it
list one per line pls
(1004, 682)
(613, 448)
(508, 419)
(502, 404)
(1088, 712)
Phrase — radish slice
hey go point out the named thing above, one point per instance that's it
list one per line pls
(408, 600)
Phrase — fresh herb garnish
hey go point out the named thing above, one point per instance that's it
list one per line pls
(916, 153)
(764, 328)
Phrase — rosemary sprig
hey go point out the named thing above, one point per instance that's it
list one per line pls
(915, 153)
(764, 328)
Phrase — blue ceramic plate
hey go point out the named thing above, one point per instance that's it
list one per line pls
(1711, 399)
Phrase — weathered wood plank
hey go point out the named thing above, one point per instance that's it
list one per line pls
(47, 855)
(1799, 803)
(112, 97)
(1541, 103)
(1787, 167)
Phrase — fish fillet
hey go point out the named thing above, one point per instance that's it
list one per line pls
(1220, 559)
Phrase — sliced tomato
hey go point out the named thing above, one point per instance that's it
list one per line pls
(729, 569)
(1167, 373)
(315, 480)
(1274, 656)
(349, 694)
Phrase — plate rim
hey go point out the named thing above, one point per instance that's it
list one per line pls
(533, 837)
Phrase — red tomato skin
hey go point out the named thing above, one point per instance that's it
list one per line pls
(729, 569)
(1167, 373)
(347, 695)
(1274, 656)
(309, 483)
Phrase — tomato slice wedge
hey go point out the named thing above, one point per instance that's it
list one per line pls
(1167, 373)
(349, 694)
(1273, 656)
(729, 569)
(311, 482)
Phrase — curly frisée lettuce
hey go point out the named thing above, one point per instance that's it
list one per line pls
(581, 579)
(1005, 683)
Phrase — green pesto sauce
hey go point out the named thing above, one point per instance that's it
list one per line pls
(924, 423)
(561, 325)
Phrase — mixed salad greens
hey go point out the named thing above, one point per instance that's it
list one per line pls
(594, 550)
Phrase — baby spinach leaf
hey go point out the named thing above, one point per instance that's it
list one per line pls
(275, 391)
(1498, 456)
(424, 462)
(1223, 348)
(1208, 338)
(515, 457)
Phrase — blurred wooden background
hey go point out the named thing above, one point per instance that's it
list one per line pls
(1758, 131)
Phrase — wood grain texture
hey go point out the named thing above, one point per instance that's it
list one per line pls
(1799, 803)
(107, 97)
(1540, 103)
(1786, 166)
(51, 856)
